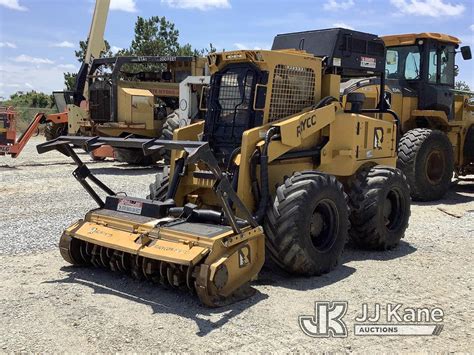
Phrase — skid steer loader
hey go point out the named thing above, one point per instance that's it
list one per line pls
(278, 165)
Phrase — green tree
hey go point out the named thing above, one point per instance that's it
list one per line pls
(81, 53)
(27, 104)
(462, 85)
(155, 36)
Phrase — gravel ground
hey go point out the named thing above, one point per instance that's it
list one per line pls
(46, 305)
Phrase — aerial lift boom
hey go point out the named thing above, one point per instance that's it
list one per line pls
(95, 46)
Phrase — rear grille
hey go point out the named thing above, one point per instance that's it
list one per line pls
(293, 90)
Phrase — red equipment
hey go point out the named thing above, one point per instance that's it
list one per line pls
(8, 142)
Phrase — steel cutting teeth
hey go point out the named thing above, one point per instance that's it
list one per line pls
(85, 250)
(163, 273)
(151, 268)
(136, 268)
(103, 257)
(125, 263)
(170, 276)
(144, 266)
(95, 259)
(176, 276)
(114, 263)
(189, 279)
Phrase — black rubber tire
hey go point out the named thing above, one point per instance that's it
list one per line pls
(374, 192)
(171, 123)
(159, 188)
(418, 150)
(54, 130)
(288, 223)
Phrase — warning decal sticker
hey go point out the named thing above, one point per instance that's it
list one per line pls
(368, 62)
(128, 206)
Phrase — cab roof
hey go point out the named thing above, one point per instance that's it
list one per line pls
(410, 38)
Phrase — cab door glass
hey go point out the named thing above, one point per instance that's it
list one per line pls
(412, 66)
(391, 66)
(447, 66)
(432, 68)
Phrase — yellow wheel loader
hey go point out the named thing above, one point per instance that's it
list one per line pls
(278, 165)
(437, 121)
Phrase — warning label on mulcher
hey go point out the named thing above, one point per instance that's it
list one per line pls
(128, 206)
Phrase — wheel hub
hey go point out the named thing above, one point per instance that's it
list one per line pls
(435, 166)
(323, 225)
(393, 210)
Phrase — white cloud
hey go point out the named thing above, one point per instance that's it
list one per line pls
(25, 77)
(333, 5)
(27, 59)
(471, 27)
(343, 25)
(13, 5)
(198, 4)
(115, 49)
(123, 5)
(63, 44)
(433, 8)
(254, 46)
(7, 45)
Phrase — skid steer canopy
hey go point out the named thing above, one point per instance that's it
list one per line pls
(212, 254)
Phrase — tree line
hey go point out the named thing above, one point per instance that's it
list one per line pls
(155, 36)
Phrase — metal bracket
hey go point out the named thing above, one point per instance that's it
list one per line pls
(82, 173)
(196, 152)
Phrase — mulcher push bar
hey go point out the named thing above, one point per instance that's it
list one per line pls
(194, 152)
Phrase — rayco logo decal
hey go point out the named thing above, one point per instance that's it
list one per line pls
(305, 124)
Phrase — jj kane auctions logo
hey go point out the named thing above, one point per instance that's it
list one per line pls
(390, 319)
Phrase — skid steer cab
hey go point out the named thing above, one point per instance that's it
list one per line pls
(278, 167)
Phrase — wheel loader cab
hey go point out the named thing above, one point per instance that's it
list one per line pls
(437, 121)
(424, 67)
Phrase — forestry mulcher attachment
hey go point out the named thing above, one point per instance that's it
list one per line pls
(278, 165)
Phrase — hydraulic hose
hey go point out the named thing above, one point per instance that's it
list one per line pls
(264, 190)
(325, 101)
(253, 175)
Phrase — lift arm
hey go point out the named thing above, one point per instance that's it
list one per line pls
(95, 46)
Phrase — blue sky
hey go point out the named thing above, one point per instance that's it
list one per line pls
(38, 37)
